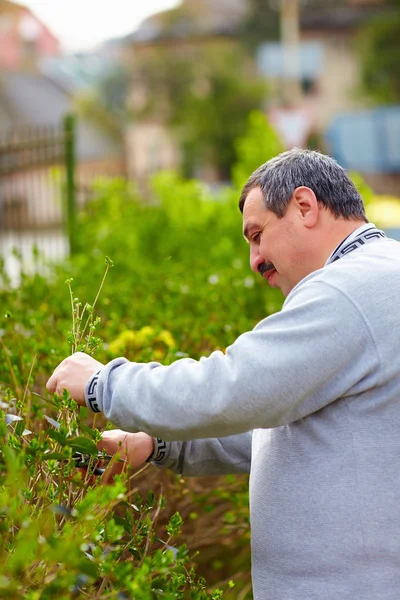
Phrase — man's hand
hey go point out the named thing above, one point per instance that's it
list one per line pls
(134, 448)
(72, 374)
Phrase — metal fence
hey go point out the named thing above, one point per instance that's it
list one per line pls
(37, 194)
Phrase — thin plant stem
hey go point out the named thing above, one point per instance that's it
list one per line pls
(102, 587)
(95, 302)
(73, 317)
(153, 522)
(94, 420)
(29, 405)
(101, 285)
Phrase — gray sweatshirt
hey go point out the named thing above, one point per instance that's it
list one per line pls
(309, 403)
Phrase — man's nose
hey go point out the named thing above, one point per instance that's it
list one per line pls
(255, 260)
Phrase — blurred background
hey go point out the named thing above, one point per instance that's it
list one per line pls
(170, 85)
(128, 131)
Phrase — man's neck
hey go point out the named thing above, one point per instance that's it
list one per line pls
(339, 234)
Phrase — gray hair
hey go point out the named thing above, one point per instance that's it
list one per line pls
(280, 176)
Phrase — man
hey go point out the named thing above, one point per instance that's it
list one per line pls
(308, 401)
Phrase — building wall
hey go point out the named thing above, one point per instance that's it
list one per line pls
(335, 90)
(23, 38)
(336, 87)
(149, 148)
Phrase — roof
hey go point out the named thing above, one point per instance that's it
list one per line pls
(339, 17)
(14, 8)
(192, 19)
(74, 72)
(35, 100)
(198, 18)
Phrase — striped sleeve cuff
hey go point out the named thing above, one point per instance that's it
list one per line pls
(91, 393)
(160, 450)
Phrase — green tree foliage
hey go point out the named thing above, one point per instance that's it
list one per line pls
(259, 144)
(104, 105)
(380, 56)
(205, 94)
(212, 119)
(261, 23)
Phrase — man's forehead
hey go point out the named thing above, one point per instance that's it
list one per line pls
(254, 203)
(254, 211)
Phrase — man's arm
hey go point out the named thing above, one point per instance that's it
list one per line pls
(316, 350)
(230, 455)
(215, 456)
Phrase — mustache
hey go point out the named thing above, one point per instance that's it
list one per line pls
(265, 266)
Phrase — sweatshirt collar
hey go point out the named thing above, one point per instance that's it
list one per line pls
(363, 235)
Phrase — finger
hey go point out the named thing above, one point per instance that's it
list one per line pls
(59, 390)
(51, 385)
(114, 441)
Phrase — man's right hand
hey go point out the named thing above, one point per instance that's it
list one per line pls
(134, 448)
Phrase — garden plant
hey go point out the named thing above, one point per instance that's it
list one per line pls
(177, 284)
(180, 285)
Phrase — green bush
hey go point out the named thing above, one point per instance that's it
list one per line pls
(181, 285)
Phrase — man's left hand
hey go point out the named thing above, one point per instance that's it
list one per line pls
(73, 374)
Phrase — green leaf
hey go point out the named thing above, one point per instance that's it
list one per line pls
(52, 456)
(20, 428)
(57, 436)
(88, 568)
(93, 434)
(10, 458)
(175, 524)
(4, 582)
(84, 445)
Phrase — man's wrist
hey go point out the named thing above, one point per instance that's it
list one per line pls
(159, 451)
(91, 393)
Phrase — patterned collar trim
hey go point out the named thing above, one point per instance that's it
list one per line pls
(363, 235)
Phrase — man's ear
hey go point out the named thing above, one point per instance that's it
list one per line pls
(306, 205)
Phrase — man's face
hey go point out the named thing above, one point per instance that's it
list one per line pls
(276, 244)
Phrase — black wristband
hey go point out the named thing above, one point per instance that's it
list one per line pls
(159, 452)
(92, 393)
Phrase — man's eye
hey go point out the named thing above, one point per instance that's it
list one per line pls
(256, 238)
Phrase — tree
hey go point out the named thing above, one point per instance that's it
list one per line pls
(104, 104)
(205, 96)
(259, 144)
(380, 56)
(261, 24)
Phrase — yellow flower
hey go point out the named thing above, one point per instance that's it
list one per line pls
(122, 342)
(166, 337)
(144, 336)
(147, 337)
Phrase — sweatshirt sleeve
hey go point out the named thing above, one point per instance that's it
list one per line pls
(318, 349)
(223, 456)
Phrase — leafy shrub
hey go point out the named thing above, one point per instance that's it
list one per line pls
(181, 285)
(259, 144)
